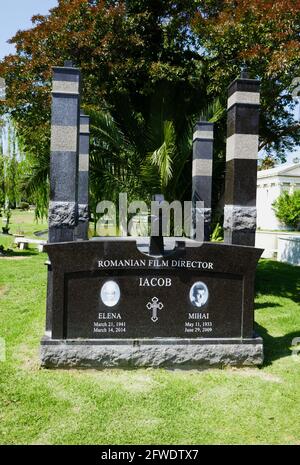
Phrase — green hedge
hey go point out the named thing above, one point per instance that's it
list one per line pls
(287, 209)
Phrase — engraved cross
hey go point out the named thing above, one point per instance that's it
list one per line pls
(155, 305)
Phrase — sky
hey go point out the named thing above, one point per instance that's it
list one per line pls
(17, 14)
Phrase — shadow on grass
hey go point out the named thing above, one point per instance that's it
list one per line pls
(276, 347)
(260, 305)
(25, 253)
(41, 233)
(278, 279)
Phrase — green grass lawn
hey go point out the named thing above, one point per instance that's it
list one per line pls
(146, 406)
(22, 222)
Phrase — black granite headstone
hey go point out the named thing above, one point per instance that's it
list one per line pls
(109, 291)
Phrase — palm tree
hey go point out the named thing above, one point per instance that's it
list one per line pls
(154, 156)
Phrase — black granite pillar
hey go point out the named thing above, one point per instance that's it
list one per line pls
(202, 174)
(82, 228)
(63, 165)
(64, 153)
(241, 161)
(156, 246)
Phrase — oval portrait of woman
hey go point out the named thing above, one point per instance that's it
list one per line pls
(110, 294)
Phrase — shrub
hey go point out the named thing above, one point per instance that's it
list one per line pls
(287, 209)
(217, 234)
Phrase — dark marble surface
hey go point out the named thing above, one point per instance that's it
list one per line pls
(243, 119)
(240, 183)
(81, 269)
(243, 85)
(65, 119)
(202, 190)
(202, 148)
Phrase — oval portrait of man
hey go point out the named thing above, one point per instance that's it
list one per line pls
(199, 294)
(110, 294)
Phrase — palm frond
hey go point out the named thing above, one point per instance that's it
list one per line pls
(35, 184)
(164, 156)
(213, 112)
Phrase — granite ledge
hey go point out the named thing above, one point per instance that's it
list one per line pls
(186, 353)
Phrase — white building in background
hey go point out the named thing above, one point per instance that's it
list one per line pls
(285, 246)
(270, 185)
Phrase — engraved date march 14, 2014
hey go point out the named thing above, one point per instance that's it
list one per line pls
(106, 326)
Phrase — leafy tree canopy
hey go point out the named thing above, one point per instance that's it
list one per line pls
(264, 37)
(150, 68)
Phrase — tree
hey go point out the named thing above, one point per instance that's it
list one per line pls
(11, 167)
(152, 67)
(138, 60)
(2, 187)
(266, 163)
(262, 36)
(287, 209)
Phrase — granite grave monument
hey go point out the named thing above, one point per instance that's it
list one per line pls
(128, 302)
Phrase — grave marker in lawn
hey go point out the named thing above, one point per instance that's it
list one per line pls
(153, 301)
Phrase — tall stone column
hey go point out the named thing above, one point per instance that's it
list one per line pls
(241, 161)
(82, 228)
(203, 140)
(156, 246)
(63, 164)
(64, 153)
